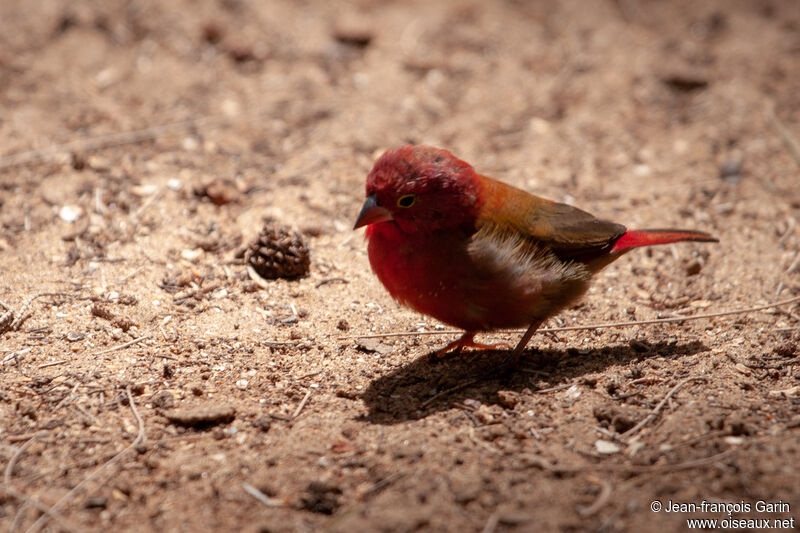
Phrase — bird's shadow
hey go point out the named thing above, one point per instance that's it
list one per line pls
(422, 387)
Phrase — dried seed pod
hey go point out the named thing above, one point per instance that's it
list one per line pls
(278, 253)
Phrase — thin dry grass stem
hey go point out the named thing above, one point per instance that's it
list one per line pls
(140, 439)
(654, 413)
(90, 144)
(302, 404)
(786, 136)
(27, 501)
(13, 461)
(591, 326)
(123, 346)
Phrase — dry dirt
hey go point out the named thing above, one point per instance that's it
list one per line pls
(254, 408)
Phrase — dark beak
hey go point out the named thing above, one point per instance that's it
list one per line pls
(372, 213)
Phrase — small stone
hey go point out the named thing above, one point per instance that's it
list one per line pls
(96, 503)
(242, 384)
(144, 190)
(353, 32)
(508, 399)
(321, 498)
(164, 400)
(192, 255)
(98, 163)
(606, 447)
(786, 349)
(791, 392)
(219, 191)
(201, 416)
(484, 414)
(731, 170)
(693, 268)
(736, 425)
(189, 144)
(75, 336)
(685, 80)
(373, 345)
(263, 423)
(642, 171)
(70, 213)
(493, 432)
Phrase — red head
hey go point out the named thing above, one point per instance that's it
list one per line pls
(421, 188)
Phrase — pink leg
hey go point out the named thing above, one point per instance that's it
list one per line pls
(466, 341)
(523, 342)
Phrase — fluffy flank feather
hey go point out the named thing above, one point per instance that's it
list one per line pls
(509, 254)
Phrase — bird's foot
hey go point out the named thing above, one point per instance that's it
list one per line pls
(465, 341)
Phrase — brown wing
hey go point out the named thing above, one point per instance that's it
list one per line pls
(569, 232)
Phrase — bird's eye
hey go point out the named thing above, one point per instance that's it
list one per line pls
(406, 201)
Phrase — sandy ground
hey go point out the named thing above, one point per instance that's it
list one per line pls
(153, 386)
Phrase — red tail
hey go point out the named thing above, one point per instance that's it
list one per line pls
(650, 237)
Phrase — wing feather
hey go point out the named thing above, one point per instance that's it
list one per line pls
(569, 232)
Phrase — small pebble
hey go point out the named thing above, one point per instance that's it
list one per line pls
(606, 447)
(731, 170)
(206, 415)
(192, 255)
(508, 399)
(693, 268)
(70, 213)
(96, 503)
(75, 336)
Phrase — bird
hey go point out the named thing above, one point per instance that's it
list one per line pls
(479, 254)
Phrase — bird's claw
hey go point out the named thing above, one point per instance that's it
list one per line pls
(466, 341)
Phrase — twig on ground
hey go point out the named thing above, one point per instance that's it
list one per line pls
(497, 518)
(180, 298)
(48, 511)
(99, 142)
(54, 363)
(302, 404)
(15, 355)
(20, 316)
(654, 413)
(123, 346)
(140, 438)
(322, 282)
(602, 498)
(786, 136)
(553, 389)
(794, 266)
(592, 326)
(147, 203)
(13, 461)
(491, 524)
(385, 482)
(705, 461)
(260, 496)
(254, 276)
